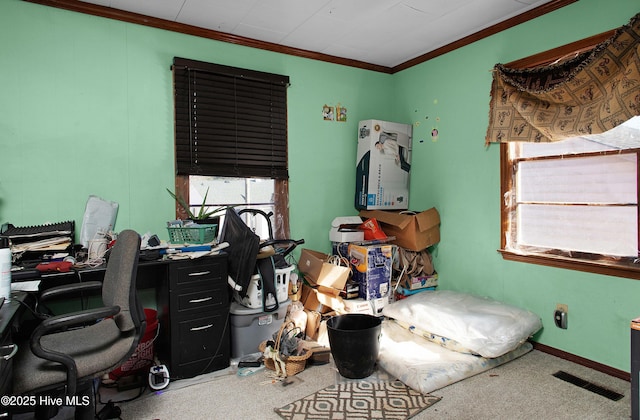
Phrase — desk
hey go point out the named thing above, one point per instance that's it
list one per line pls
(8, 315)
(192, 299)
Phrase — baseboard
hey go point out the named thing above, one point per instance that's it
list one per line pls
(582, 361)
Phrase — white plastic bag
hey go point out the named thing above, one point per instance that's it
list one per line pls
(99, 216)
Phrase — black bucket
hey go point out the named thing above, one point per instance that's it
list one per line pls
(355, 341)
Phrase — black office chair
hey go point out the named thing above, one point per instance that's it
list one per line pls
(66, 352)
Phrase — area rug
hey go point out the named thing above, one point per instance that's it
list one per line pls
(359, 400)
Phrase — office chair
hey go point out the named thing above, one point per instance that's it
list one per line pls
(66, 352)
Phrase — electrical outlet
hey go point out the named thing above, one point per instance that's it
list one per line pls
(560, 315)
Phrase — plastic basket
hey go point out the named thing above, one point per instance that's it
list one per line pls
(194, 234)
(253, 298)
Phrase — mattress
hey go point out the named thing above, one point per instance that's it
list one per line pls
(427, 366)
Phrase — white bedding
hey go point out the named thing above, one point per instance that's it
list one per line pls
(426, 366)
(464, 322)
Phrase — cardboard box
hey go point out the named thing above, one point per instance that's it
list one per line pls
(412, 231)
(340, 249)
(326, 277)
(372, 267)
(383, 163)
(320, 355)
(421, 282)
(315, 300)
(313, 323)
(367, 307)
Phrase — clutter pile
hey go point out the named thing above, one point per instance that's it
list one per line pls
(377, 257)
(261, 302)
(380, 255)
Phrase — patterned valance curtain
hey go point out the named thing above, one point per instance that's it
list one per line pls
(591, 93)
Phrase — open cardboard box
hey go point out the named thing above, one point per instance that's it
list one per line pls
(314, 300)
(317, 305)
(320, 274)
(414, 232)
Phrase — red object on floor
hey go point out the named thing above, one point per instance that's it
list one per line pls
(142, 357)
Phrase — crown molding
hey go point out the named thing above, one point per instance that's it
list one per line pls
(130, 17)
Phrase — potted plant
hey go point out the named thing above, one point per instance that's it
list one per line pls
(203, 215)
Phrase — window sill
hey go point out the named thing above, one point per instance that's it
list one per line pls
(608, 268)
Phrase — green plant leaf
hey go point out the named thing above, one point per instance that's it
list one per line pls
(182, 203)
(202, 213)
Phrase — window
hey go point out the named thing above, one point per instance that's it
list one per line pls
(254, 193)
(231, 138)
(576, 199)
(571, 203)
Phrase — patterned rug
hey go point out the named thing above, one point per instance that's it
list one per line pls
(359, 400)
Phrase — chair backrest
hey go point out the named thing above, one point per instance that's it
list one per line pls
(119, 284)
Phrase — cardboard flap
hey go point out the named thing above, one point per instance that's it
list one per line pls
(319, 273)
(315, 300)
(390, 218)
(427, 219)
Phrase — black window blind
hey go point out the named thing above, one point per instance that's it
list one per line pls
(229, 121)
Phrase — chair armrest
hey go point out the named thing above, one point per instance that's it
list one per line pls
(66, 289)
(62, 322)
(73, 319)
(281, 250)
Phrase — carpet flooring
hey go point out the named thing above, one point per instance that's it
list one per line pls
(523, 389)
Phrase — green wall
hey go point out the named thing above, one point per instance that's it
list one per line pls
(461, 178)
(86, 108)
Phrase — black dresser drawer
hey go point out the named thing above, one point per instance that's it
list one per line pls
(194, 314)
(194, 273)
(204, 338)
(204, 299)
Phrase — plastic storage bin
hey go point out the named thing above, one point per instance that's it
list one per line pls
(194, 234)
(250, 327)
(253, 299)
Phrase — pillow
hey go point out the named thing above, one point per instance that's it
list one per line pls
(480, 325)
(445, 342)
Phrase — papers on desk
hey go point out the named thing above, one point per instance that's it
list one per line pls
(35, 241)
(193, 251)
(25, 286)
(50, 244)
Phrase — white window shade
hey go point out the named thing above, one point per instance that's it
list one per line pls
(588, 180)
(595, 229)
(585, 204)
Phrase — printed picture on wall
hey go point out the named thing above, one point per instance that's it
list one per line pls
(327, 113)
(341, 113)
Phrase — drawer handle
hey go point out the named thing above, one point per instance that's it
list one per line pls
(201, 300)
(14, 350)
(204, 327)
(200, 273)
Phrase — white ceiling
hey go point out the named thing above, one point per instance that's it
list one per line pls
(380, 32)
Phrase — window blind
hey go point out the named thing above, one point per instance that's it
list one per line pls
(229, 121)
